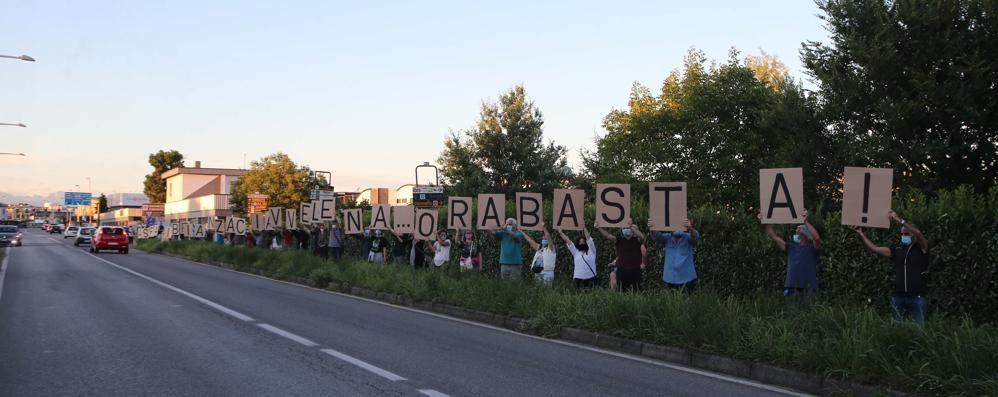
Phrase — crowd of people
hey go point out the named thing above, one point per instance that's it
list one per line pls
(910, 256)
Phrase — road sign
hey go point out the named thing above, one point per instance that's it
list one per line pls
(319, 194)
(77, 198)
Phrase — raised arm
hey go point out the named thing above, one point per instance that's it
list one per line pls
(564, 237)
(530, 240)
(694, 234)
(782, 245)
(916, 233)
(606, 235)
(547, 235)
(882, 251)
(816, 238)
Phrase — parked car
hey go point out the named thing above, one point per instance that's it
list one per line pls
(9, 235)
(84, 235)
(109, 237)
(71, 231)
(55, 228)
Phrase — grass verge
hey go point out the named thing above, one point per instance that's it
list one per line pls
(942, 357)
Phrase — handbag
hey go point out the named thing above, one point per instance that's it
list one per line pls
(538, 265)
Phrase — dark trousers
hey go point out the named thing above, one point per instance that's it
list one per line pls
(629, 279)
(914, 305)
(336, 252)
(323, 252)
(585, 283)
(688, 286)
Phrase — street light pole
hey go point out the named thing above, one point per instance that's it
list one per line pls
(14, 124)
(19, 57)
(12, 154)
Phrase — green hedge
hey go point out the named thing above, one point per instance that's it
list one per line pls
(848, 342)
(734, 256)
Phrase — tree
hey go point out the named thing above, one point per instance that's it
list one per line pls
(505, 152)
(912, 85)
(285, 183)
(102, 204)
(713, 126)
(161, 161)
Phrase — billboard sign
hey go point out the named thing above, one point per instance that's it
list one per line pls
(77, 198)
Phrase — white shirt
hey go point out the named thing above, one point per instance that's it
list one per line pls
(441, 253)
(548, 258)
(585, 262)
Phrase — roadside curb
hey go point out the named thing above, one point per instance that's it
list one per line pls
(742, 368)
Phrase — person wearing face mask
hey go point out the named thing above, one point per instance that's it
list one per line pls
(544, 258)
(336, 240)
(679, 269)
(583, 258)
(379, 248)
(441, 249)
(510, 249)
(911, 268)
(629, 255)
(802, 258)
(364, 239)
(470, 255)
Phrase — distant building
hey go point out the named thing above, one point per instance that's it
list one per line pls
(198, 194)
(123, 209)
(386, 195)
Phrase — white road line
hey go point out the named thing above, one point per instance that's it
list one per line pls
(677, 367)
(3, 269)
(432, 393)
(206, 302)
(378, 371)
(287, 335)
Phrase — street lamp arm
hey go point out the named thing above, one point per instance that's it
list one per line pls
(19, 57)
(13, 154)
(14, 124)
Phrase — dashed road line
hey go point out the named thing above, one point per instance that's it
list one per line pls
(432, 393)
(360, 363)
(3, 269)
(288, 335)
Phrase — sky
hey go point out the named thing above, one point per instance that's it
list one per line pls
(365, 90)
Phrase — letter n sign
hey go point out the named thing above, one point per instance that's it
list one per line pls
(781, 195)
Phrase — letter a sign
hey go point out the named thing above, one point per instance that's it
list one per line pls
(781, 195)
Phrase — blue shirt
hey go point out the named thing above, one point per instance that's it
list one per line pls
(510, 249)
(802, 266)
(679, 268)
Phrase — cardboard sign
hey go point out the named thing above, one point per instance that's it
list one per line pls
(306, 213)
(491, 211)
(291, 219)
(316, 212)
(402, 219)
(866, 197)
(529, 211)
(781, 195)
(353, 221)
(459, 213)
(569, 209)
(198, 231)
(273, 220)
(186, 229)
(327, 209)
(613, 205)
(667, 207)
(426, 224)
(174, 229)
(217, 224)
(379, 216)
(238, 225)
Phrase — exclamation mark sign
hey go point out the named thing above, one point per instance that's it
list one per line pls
(866, 196)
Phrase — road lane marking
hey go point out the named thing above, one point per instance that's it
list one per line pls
(432, 393)
(204, 301)
(287, 335)
(377, 371)
(3, 271)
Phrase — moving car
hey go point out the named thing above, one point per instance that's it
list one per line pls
(84, 235)
(9, 235)
(71, 231)
(55, 228)
(109, 237)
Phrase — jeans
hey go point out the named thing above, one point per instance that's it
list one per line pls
(545, 277)
(336, 252)
(903, 305)
(509, 271)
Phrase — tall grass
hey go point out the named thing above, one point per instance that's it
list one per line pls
(945, 356)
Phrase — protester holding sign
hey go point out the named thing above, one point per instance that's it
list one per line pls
(402, 249)
(510, 250)
(911, 268)
(583, 257)
(336, 240)
(471, 256)
(545, 258)
(679, 268)
(441, 249)
(379, 248)
(629, 262)
(802, 257)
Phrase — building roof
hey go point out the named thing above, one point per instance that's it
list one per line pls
(202, 171)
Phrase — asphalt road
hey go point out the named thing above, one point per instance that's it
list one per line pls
(72, 323)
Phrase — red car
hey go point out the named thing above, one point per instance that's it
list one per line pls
(109, 237)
